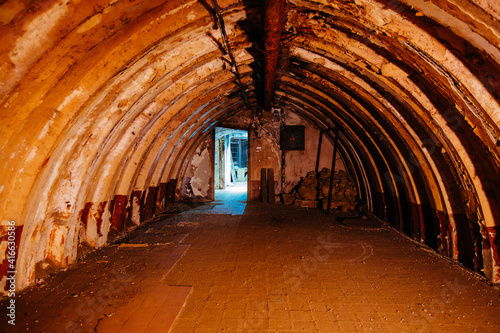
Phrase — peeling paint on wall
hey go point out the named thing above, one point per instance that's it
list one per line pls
(135, 200)
(492, 251)
(201, 177)
(34, 42)
(197, 183)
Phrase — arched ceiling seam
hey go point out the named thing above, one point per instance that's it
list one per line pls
(358, 41)
(441, 127)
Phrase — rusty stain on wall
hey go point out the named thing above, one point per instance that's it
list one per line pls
(98, 217)
(4, 258)
(118, 212)
(85, 213)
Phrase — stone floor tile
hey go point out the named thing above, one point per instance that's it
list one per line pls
(278, 269)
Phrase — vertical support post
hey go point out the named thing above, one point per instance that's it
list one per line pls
(334, 159)
(222, 164)
(263, 184)
(318, 155)
(283, 166)
(170, 196)
(270, 185)
(211, 153)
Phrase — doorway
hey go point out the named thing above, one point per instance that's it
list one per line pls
(231, 164)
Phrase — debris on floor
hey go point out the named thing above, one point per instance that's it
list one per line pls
(315, 186)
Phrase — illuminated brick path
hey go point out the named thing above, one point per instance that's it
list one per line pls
(282, 269)
(272, 269)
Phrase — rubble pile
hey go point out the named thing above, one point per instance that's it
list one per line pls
(343, 194)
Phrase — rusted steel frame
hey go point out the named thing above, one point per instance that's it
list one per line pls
(227, 49)
(274, 17)
(332, 175)
(318, 156)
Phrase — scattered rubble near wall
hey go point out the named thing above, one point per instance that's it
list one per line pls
(315, 187)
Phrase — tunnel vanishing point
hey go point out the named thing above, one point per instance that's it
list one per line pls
(108, 110)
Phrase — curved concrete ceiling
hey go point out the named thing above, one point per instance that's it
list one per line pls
(103, 98)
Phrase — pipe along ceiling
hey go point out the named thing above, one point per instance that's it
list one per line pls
(103, 101)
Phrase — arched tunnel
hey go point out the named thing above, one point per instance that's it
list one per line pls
(105, 104)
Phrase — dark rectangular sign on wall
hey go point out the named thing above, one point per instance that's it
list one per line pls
(292, 137)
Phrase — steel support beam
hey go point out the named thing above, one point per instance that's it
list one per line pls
(332, 175)
(274, 17)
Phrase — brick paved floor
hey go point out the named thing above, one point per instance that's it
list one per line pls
(272, 269)
(284, 269)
